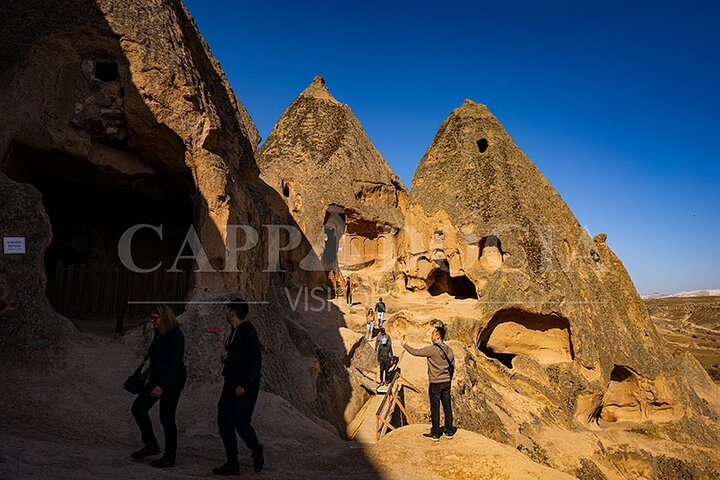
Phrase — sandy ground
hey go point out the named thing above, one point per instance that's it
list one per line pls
(71, 420)
(74, 422)
(405, 454)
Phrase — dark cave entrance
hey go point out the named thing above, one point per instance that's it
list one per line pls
(459, 287)
(334, 228)
(90, 206)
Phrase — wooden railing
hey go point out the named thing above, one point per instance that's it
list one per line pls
(390, 402)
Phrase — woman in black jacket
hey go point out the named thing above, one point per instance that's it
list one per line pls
(165, 383)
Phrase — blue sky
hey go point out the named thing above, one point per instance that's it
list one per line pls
(616, 102)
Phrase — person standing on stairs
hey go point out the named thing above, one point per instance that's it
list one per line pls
(384, 352)
(369, 324)
(380, 309)
(441, 367)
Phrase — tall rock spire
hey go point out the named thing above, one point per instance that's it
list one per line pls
(340, 190)
(484, 222)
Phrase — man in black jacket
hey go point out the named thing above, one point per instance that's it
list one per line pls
(243, 362)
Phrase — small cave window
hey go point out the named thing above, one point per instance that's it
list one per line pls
(492, 256)
(482, 145)
(286, 190)
(490, 241)
(106, 71)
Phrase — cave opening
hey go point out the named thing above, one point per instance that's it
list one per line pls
(90, 206)
(482, 145)
(334, 228)
(512, 332)
(106, 71)
(286, 189)
(460, 287)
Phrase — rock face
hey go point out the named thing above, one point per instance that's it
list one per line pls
(339, 189)
(557, 315)
(119, 115)
(116, 114)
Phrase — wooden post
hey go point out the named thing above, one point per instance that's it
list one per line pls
(69, 278)
(80, 291)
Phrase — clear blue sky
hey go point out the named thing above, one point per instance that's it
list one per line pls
(616, 102)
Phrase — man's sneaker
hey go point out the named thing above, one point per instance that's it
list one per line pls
(448, 434)
(163, 462)
(146, 451)
(432, 436)
(228, 468)
(258, 459)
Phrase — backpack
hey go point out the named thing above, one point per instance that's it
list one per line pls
(451, 365)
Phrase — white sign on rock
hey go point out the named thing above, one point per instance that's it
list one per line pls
(13, 245)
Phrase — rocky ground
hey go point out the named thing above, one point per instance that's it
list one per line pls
(70, 419)
(691, 324)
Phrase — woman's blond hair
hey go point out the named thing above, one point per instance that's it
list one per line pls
(167, 318)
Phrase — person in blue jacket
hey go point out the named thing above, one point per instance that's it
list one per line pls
(165, 383)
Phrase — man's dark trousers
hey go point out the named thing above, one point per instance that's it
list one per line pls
(384, 369)
(235, 413)
(440, 392)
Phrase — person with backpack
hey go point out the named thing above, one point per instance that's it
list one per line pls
(380, 309)
(384, 353)
(441, 368)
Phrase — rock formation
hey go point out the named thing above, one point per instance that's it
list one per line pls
(116, 114)
(558, 334)
(119, 115)
(339, 189)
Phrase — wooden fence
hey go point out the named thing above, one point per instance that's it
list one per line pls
(393, 399)
(95, 290)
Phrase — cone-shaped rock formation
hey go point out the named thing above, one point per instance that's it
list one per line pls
(340, 190)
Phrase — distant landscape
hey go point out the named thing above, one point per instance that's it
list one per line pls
(691, 323)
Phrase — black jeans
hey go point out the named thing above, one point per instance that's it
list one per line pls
(384, 369)
(235, 413)
(440, 392)
(168, 405)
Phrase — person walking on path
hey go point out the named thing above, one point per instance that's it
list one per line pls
(380, 309)
(243, 363)
(165, 383)
(348, 292)
(369, 323)
(384, 352)
(441, 367)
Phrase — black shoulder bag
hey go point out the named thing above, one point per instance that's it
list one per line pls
(451, 366)
(136, 382)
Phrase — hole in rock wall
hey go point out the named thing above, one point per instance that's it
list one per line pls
(491, 253)
(90, 207)
(286, 189)
(621, 401)
(482, 145)
(334, 228)
(363, 241)
(106, 71)
(512, 332)
(459, 287)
